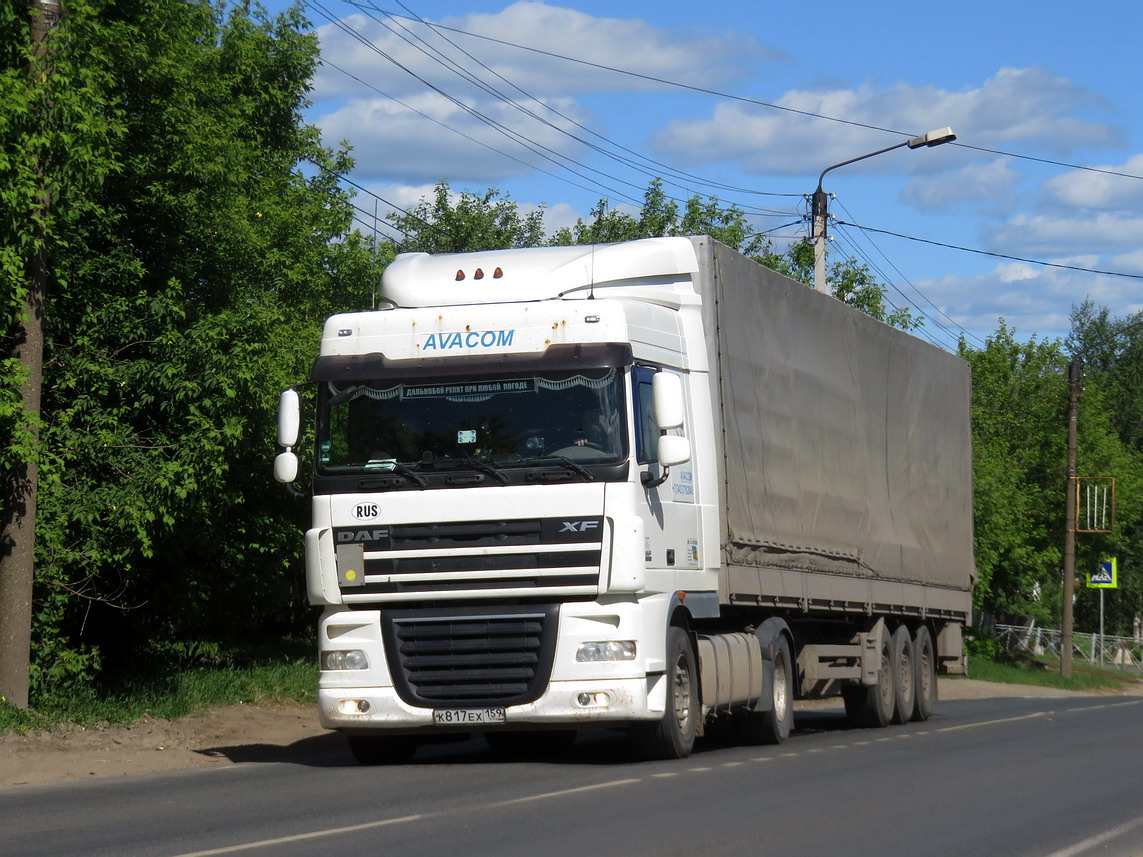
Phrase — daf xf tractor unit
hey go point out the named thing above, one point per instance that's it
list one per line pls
(651, 485)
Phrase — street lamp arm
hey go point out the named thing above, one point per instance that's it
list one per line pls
(861, 158)
(933, 138)
(820, 201)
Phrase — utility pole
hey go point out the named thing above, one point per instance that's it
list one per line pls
(819, 212)
(26, 348)
(1075, 379)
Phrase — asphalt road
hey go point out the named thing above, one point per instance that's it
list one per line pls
(1006, 777)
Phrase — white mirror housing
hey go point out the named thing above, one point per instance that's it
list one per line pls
(673, 450)
(289, 420)
(667, 400)
(286, 467)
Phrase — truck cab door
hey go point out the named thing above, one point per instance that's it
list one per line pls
(667, 500)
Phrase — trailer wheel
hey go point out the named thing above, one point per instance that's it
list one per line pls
(382, 749)
(773, 726)
(904, 676)
(926, 683)
(872, 705)
(673, 737)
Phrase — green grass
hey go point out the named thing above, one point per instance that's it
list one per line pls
(1046, 673)
(186, 691)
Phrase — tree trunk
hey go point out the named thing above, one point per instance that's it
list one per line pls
(18, 521)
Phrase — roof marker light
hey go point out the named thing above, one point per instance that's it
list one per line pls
(497, 274)
(459, 276)
(479, 275)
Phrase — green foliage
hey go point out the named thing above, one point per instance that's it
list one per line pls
(1019, 397)
(1028, 671)
(198, 240)
(849, 281)
(185, 687)
(658, 218)
(1019, 417)
(1111, 444)
(473, 222)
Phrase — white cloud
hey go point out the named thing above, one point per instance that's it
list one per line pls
(1087, 189)
(431, 137)
(1032, 299)
(1046, 237)
(991, 182)
(371, 48)
(1014, 106)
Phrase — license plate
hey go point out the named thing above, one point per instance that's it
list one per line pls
(452, 716)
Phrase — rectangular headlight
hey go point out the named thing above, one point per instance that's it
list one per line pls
(607, 650)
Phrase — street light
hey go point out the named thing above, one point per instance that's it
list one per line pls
(820, 200)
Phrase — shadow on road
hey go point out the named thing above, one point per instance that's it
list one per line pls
(596, 747)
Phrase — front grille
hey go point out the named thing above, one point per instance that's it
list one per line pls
(464, 658)
(403, 561)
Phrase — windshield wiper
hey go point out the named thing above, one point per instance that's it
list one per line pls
(485, 467)
(571, 465)
(409, 473)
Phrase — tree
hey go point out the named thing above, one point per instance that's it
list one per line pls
(1111, 435)
(1019, 396)
(849, 281)
(53, 134)
(219, 245)
(473, 222)
(658, 218)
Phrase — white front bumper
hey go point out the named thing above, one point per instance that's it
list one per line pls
(627, 700)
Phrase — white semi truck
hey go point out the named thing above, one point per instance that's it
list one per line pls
(649, 485)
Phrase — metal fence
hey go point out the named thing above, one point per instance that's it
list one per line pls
(1105, 650)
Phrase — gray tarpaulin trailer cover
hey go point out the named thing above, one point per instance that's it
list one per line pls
(846, 472)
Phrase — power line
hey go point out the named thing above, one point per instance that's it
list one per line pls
(994, 254)
(740, 98)
(911, 285)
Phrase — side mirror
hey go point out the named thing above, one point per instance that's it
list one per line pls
(667, 400)
(673, 450)
(286, 467)
(289, 419)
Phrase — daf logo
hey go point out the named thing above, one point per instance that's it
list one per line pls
(578, 526)
(354, 536)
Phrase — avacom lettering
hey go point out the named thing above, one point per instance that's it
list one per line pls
(468, 339)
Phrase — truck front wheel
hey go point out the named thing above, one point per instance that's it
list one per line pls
(673, 737)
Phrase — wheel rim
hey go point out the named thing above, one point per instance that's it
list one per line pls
(682, 693)
(926, 666)
(885, 688)
(781, 700)
(905, 676)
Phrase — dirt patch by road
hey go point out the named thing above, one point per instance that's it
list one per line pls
(241, 733)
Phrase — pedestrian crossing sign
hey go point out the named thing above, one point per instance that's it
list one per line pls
(1106, 576)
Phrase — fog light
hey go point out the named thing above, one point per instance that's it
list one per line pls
(353, 706)
(353, 659)
(598, 699)
(608, 650)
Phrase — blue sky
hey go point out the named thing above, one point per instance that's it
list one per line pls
(1044, 87)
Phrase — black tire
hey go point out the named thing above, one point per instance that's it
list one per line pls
(529, 744)
(773, 726)
(904, 676)
(673, 737)
(872, 705)
(382, 749)
(925, 659)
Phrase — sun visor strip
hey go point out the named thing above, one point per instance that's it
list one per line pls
(562, 356)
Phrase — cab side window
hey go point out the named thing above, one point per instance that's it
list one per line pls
(646, 432)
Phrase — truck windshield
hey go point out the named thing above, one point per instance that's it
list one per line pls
(491, 424)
